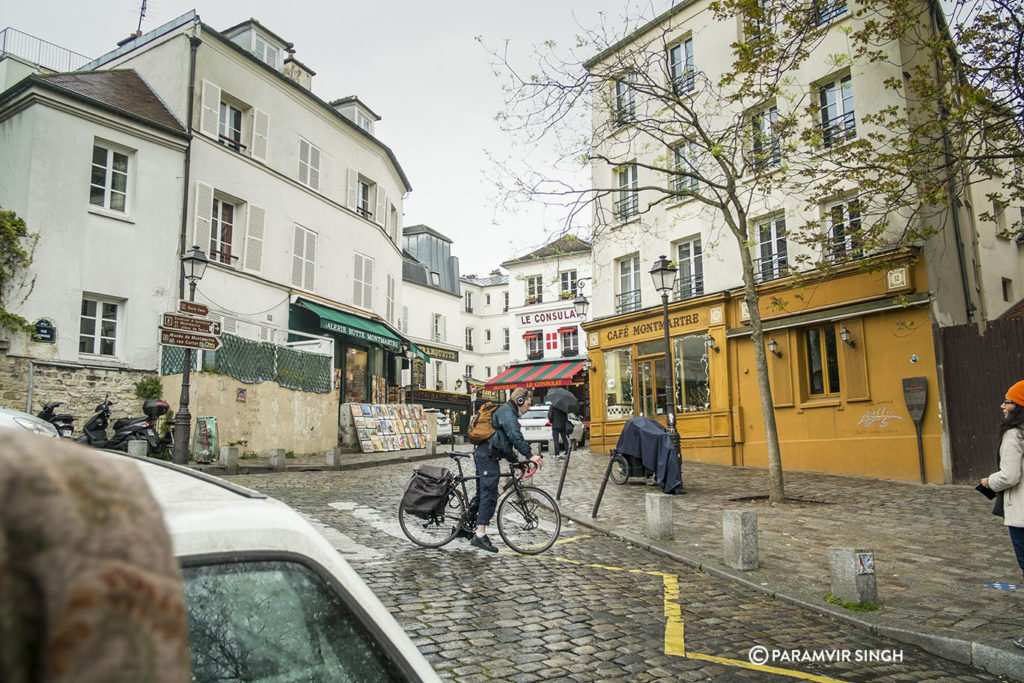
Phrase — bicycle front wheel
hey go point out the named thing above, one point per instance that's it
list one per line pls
(529, 520)
(434, 530)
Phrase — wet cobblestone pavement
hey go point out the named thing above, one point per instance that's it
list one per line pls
(600, 607)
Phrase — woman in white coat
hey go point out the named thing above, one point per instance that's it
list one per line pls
(1009, 479)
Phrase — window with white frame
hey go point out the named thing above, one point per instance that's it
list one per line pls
(389, 299)
(487, 299)
(570, 342)
(435, 278)
(772, 259)
(838, 121)
(469, 302)
(231, 127)
(233, 123)
(365, 198)
(487, 371)
(535, 346)
(469, 371)
(304, 258)
(437, 329)
(505, 337)
(844, 230)
(469, 338)
(266, 52)
(98, 326)
(506, 302)
(759, 22)
(108, 183)
(680, 66)
(362, 280)
(765, 147)
(567, 280)
(309, 164)
(222, 231)
(534, 289)
(487, 336)
(685, 167)
(627, 204)
(628, 297)
(824, 11)
(625, 100)
(690, 281)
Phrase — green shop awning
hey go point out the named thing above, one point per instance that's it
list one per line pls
(419, 352)
(340, 322)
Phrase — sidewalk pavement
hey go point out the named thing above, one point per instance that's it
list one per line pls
(935, 546)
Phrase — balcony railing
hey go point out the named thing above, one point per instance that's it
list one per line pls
(771, 268)
(690, 287)
(627, 206)
(844, 248)
(684, 82)
(39, 51)
(627, 301)
(837, 130)
(824, 11)
(570, 351)
(534, 355)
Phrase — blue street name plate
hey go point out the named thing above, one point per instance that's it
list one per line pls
(1000, 586)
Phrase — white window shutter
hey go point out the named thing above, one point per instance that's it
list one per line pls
(203, 217)
(260, 134)
(209, 110)
(444, 328)
(303, 162)
(298, 249)
(314, 167)
(254, 238)
(310, 264)
(353, 189)
(357, 279)
(382, 206)
(368, 279)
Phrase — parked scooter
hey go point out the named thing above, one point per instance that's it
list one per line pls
(127, 429)
(64, 422)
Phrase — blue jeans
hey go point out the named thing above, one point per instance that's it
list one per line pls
(560, 437)
(1017, 538)
(488, 470)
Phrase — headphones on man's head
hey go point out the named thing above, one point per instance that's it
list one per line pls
(522, 399)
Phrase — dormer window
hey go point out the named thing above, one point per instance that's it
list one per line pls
(266, 52)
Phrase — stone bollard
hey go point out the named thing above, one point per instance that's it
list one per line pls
(659, 516)
(277, 460)
(853, 574)
(551, 446)
(739, 539)
(229, 457)
(334, 458)
(138, 448)
(432, 448)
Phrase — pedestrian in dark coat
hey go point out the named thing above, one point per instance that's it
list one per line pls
(559, 420)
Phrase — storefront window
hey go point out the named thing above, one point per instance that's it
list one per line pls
(693, 390)
(355, 375)
(618, 384)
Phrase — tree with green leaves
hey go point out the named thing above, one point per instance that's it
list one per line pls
(17, 245)
(766, 124)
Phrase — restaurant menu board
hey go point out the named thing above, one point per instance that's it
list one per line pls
(389, 427)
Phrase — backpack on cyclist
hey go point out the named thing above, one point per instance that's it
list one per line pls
(480, 427)
(427, 489)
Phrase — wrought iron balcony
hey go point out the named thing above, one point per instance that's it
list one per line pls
(627, 301)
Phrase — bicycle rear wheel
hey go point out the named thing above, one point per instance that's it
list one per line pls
(529, 520)
(434, 530)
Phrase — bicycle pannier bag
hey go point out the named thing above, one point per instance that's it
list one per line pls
(480, 427)
(425, 492)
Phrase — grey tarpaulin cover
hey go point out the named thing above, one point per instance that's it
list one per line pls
(646, 439)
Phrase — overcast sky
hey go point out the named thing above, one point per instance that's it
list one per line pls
(416, 63)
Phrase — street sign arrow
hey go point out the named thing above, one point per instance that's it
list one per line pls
(189, 340)
(186, 324)
(192, 307)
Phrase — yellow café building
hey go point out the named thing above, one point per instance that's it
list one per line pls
(838, 352)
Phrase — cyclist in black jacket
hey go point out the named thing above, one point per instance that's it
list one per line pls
(507, 436)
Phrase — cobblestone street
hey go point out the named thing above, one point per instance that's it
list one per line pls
(593, 607)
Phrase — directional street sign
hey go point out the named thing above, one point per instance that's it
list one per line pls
(189, 339)
(192, 307)
(186, 324)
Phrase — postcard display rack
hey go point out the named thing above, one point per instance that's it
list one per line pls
(389, 427)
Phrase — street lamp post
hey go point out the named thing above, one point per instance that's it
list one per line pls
(664, 274)
(194, 265)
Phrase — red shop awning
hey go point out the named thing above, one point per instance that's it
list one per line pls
(531, 334)
(541, 375)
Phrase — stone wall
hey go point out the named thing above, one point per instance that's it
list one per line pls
(79, 387)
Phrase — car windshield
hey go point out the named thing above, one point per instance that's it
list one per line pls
(276, 621)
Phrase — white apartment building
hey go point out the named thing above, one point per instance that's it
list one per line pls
(486, 314)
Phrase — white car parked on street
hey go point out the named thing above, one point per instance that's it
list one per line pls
(266, 594)
(444, 425)
(536, 428)
(16, 419)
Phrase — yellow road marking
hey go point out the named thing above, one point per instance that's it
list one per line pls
(675, 643)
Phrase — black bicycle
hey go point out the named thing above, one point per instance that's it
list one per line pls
(528, 518)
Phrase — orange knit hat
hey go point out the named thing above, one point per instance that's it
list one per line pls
(1016, 393)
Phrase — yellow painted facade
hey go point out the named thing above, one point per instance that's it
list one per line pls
(845, 416)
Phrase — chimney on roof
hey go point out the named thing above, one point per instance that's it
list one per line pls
(297, 71)
(496, 271)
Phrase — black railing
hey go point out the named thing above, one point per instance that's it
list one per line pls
(627, 301)
(824, 11)
(684, 82)
(839, 129)
(627, 206)
(690, 287)
(771, 267)
(844, 248)
(625, 114)
(570, 351)
(534, 355)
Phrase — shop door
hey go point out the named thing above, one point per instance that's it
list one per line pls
(652, 376)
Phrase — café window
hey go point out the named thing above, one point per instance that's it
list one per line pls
(618, 383)
(822, 361)
(693, 386)
(356, 363)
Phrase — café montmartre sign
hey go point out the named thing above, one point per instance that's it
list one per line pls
(651, 327)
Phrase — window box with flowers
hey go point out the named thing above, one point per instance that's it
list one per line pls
(530, 300)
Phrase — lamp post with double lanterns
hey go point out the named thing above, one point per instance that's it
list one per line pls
(664, 274)
(194, 265)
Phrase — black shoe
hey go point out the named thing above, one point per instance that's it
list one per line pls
(483, 543)
(465, 535)
(1019, 642)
